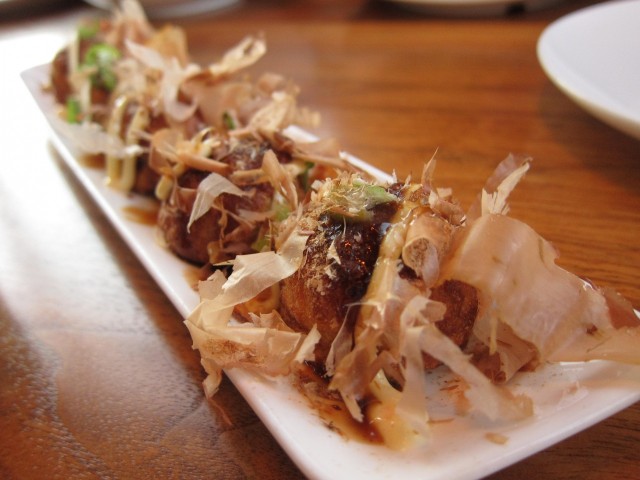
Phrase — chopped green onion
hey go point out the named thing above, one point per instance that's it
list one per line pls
(304, 176)
(376, 194)
(356, 200)
(361, 195)
(73, 110)
(102, 56)
(260, 243)
(228, 121)
(89, 30)
(282, 212)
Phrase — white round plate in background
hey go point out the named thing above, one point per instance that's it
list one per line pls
(168, 9)
(474, 8)
(593, 56)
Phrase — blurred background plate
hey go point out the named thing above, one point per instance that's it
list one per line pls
(474, 7)
(167, 9)
(593, 56)
(12, 8)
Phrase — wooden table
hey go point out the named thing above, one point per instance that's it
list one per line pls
(97, 374)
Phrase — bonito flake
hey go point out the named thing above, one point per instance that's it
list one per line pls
(530, 311)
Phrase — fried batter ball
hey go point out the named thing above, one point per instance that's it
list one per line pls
(340, 257)
(461, 300)
(220, 233)
(325, 290)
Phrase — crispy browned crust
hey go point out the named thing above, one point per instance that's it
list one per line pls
(60, 76)
(193, 245)
(461, 300)
(173, 219)
(325, 291)
(311, 296)
(196, 244)
(146, 177)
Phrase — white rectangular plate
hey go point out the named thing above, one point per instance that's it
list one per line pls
(568, 398)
